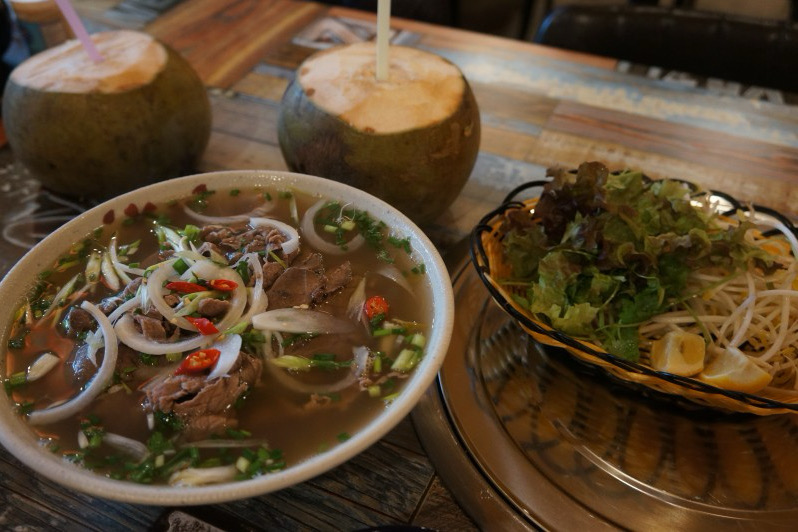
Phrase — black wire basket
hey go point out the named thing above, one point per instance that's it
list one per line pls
(487, 256)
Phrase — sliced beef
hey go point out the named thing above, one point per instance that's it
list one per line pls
(207, 249)
(131, 288)
(215, 233)
(294, 287)
(109, 304)
(79, 320)
(335, 280)
(205, 405)
(211, 307)
(152, 328)
(307, 284)
(271, 271)
(171, 299)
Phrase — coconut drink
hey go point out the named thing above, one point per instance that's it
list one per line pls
(95, 128)
(411, 138)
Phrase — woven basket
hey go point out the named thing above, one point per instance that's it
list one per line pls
(486, 253)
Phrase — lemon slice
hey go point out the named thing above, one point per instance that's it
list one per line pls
(732, 370)
(678, 352)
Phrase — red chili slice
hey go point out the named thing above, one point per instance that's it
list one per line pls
(223, 285)
(198, 361)
(184, 287)
(375, 305)
(203, 325)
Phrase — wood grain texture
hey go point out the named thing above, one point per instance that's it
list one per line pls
(224, 39)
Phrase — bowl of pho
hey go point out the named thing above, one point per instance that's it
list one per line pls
(218, 336)
(662, 284)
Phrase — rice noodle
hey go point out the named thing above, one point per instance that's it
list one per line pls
(753, 311)
(96, 385)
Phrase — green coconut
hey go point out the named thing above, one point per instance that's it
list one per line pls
(411, 139)
(147, 119)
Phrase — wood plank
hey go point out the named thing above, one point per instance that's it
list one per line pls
(224, 39)
(230, 152)
(441, 36)
(262, 86)
(27, 497)
(244, 116)
(720, 150)
(508, 104)
(439, 511)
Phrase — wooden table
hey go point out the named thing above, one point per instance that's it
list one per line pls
(539, 108)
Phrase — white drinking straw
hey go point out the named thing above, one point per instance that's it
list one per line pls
(78, 29)
(383, 36)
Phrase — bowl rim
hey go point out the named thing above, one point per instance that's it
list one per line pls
(20, 440)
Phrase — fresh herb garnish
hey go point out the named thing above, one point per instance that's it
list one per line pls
(602, 253)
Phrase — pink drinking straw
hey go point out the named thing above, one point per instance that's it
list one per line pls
(78, 29)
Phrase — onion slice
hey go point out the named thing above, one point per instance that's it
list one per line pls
(238, 299)
(296, 320)
(283, 377)
(199, 476)
(258, 300)
(97, 383)
(204, 218)
(131, 337)
(132, 447)
(130, 304)
(354, 308)
(229, 349)
(308, 227)
(290, 245)
(392, 272)
(42, 366)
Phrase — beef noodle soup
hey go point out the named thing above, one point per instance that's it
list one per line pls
(218, 338)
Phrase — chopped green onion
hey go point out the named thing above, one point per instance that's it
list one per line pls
(388, 331)
(174, 357)
(180, 266)
(418, 340)
(407, 360)
(277, 259)
(374, 390)
(237, 328)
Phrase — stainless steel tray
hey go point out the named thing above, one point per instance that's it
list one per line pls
(526, 437)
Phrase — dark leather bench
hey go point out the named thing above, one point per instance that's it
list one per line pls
(750, 51)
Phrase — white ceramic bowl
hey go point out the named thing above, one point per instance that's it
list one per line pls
(20, 440)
